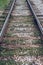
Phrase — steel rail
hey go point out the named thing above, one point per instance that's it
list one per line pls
(35, 16)
(6, 21)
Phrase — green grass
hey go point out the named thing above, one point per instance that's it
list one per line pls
(3, 3)
(8, 62)
(13, 62)
(29, 51)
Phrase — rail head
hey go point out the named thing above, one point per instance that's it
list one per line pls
(35, 16)
(6, 20)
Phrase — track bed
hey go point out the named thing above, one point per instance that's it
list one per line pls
(22, 44)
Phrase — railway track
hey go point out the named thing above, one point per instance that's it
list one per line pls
(22, 43)
(5, 17)
(37, 10)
